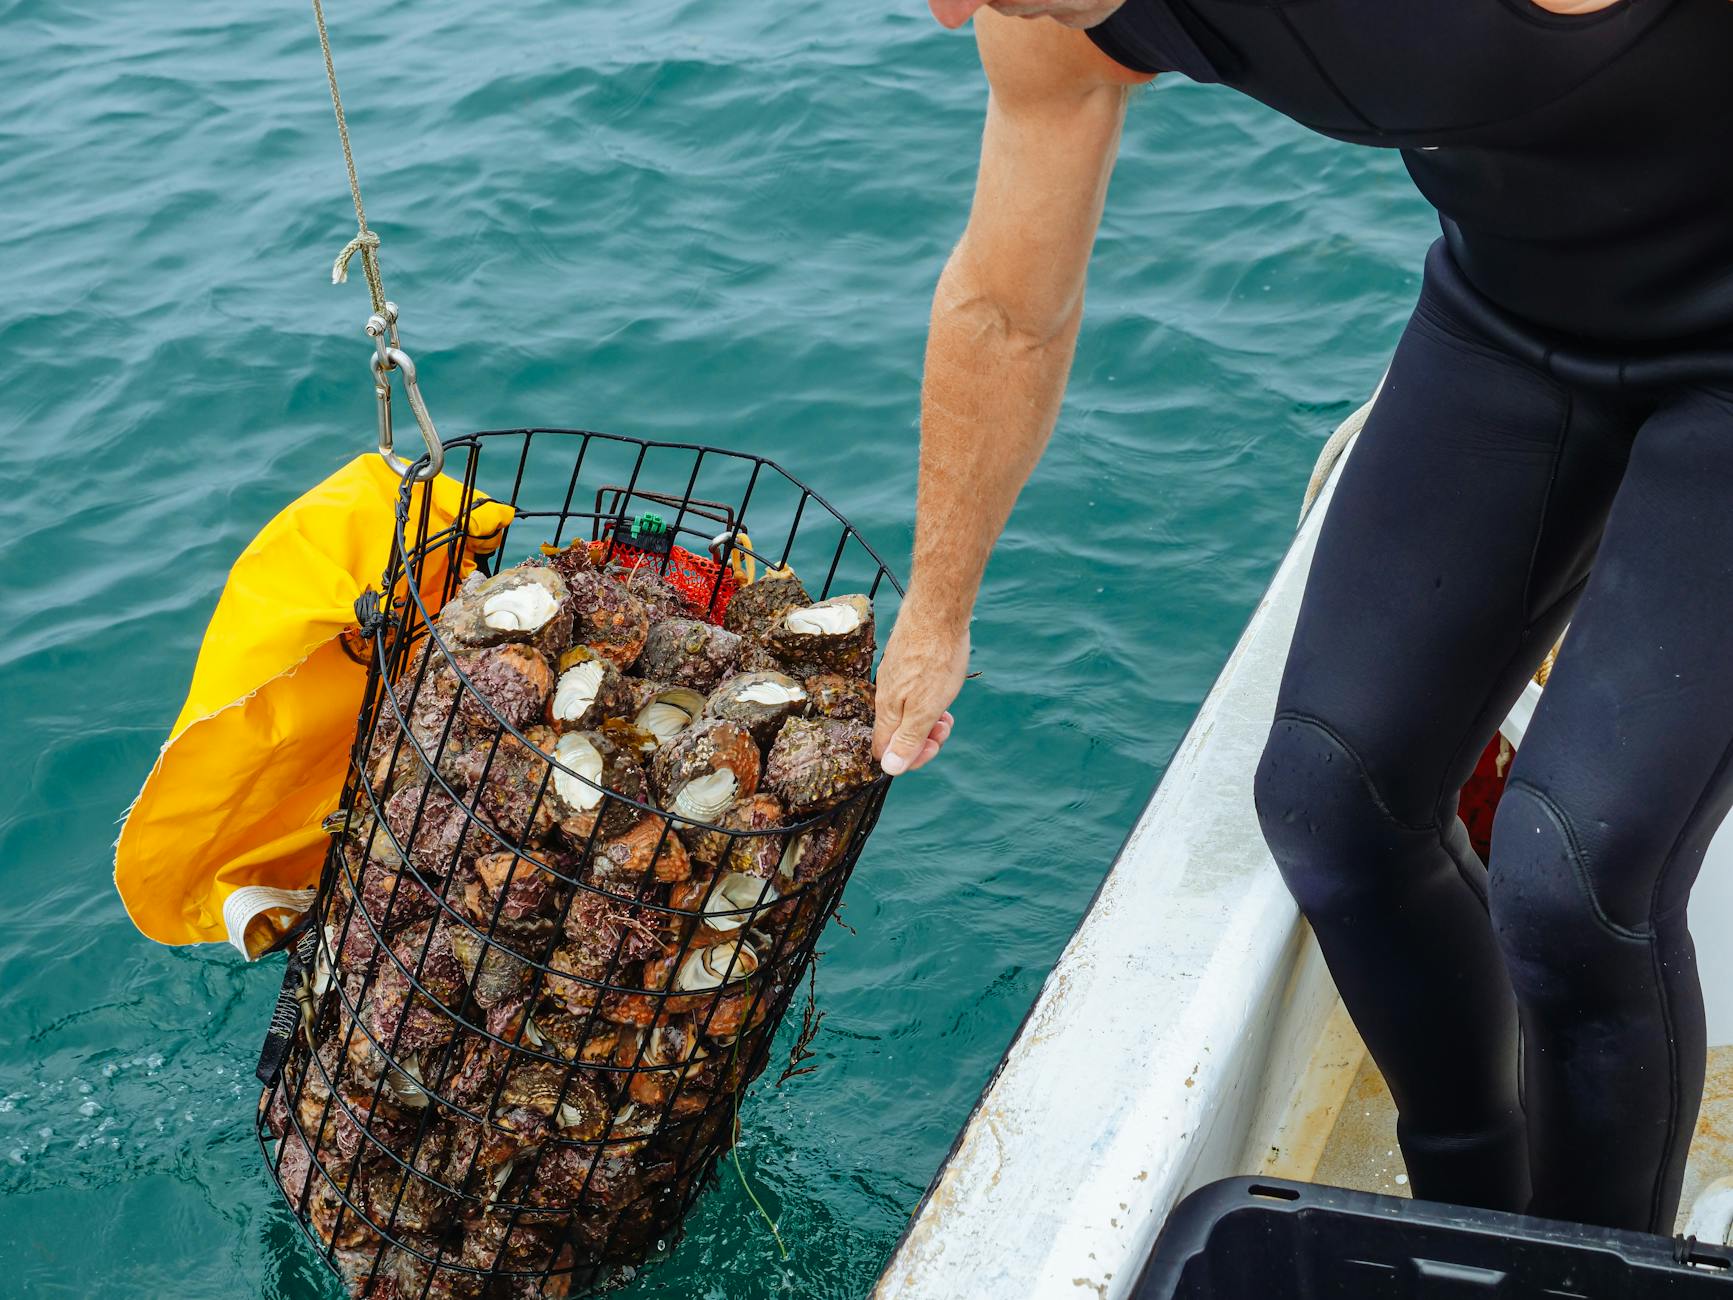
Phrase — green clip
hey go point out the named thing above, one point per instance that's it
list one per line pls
(649, 522)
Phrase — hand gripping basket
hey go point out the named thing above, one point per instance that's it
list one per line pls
(499, 1069)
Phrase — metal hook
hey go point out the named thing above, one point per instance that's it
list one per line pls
(388, 356)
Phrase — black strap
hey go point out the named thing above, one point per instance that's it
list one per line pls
(301, 943)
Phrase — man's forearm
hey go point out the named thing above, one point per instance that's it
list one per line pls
(989, 401)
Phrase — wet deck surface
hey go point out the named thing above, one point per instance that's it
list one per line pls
(1360, 1149)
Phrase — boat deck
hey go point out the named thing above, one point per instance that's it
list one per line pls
(1340, 1126)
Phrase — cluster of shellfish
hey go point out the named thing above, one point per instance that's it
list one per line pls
(542, 985)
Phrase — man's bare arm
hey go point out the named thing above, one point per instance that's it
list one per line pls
(1004, 325)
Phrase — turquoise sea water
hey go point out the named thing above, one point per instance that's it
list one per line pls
(716, 222)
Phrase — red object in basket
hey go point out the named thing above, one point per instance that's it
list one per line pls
(1482, 791)
(691, 574)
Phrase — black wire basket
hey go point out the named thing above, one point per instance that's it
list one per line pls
(521, 1012)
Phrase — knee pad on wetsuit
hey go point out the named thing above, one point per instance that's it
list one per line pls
(1559, 941)
(1338, 844)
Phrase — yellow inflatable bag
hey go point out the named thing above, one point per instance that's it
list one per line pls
(224, 841)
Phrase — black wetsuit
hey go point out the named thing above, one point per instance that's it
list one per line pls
(1554, 442)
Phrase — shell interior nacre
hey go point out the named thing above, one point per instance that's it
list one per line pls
(663, 720)
(519, 609)
(732, 901)
(823, 620)
(709, 967)
(576, 693)
(707, 797)
(575, 751)
(770, 693)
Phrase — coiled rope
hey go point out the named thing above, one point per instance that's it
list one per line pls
(1334, 446)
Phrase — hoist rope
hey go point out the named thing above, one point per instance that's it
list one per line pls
(365, 242)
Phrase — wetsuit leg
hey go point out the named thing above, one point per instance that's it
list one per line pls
(1621, 780)
(1461, 532)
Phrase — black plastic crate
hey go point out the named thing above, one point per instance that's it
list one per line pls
(1266, 1239)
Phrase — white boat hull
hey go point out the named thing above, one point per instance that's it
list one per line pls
(1188, 1032)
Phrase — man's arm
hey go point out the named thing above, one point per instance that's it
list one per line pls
(1005, 319)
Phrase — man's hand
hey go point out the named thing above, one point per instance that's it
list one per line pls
(920, 675)
(1070, 13)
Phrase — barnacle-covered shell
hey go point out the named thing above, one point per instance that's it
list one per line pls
(809, 854)
(708, 747)
(498, 976)
(669, 710)
(687, 652)
(400, 1018)
(569, 1034)
(473, 1066)
(613, 1178)
(390, 895)
(584, 1112)
(539, 1097)
(589, 689)
(661, 598)
(671, 1061)
(832, 695)
(569, 560)
(703, 773)
(482, 1156)
(577, 795)
(608, 926)
(816, 763)
(527, 603)
(515, 788)
(649, 850)
(515, 897)
(604, 938)
(396, 1198)
(511, 682)
(354, 1119)
(418, 691)
(835, 635)
(607, 618)
(637, 1009)
(754, 854)
(576, 971)
(311, 1193)
(452, 730)
(755, 657)
(757, 701)
(755, 608)
(434, 831)
(428, 1269)
(737, 1012)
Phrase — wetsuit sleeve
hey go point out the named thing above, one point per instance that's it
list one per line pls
(1124, 38)
(1156, 36)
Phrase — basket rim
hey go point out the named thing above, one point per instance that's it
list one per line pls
(471, 495)
(473, 439)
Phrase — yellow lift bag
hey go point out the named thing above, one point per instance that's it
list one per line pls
(224, 841)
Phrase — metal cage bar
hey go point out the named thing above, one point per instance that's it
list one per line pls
(520, 1060)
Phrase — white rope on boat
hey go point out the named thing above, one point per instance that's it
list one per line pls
(1332, 451)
